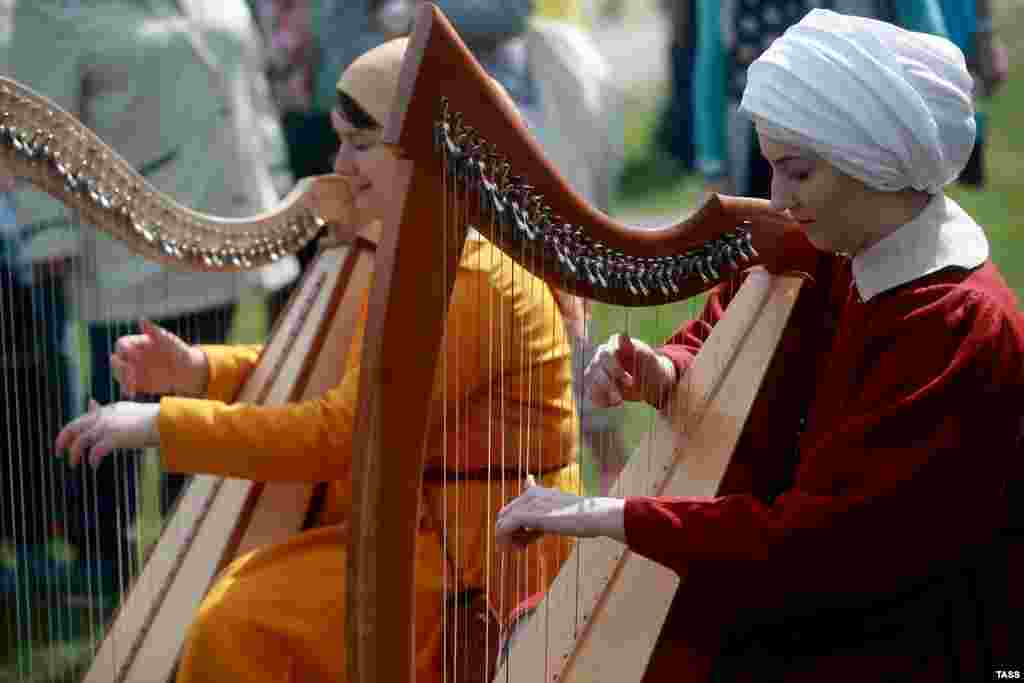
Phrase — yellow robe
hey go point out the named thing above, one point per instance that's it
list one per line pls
(277, 614)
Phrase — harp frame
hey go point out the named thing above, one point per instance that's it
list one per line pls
(216, 518)
(535, 207)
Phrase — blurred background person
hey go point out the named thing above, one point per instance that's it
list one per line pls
(731, 34)
(308, 43)
(579, 123)
(178, 89)
(971, 27)
(675, 128)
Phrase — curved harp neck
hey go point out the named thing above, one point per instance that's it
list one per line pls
(54, 151)
(480, 145)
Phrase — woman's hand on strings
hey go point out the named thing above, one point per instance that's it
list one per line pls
(625, 369)
(540, 510)
(103, 428)
(159, 362)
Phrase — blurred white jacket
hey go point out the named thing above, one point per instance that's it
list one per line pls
(178, 89)
(581, 108)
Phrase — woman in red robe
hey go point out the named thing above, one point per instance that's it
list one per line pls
(868, 531)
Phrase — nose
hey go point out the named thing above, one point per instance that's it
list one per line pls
(344, 160)
(781, 195)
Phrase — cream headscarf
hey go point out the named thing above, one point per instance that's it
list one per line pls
(372, 79)
(890, 107)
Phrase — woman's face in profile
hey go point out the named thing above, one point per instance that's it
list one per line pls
(827, 203)
(368, 164)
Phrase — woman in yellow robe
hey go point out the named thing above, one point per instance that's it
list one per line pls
(504, 400)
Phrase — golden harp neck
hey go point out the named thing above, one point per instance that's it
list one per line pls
(50, 148)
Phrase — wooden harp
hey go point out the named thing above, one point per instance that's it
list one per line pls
(305, 355)
(459, 137)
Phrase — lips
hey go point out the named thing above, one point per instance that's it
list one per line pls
(798, 219)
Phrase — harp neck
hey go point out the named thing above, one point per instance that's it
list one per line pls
(472, 140)
(57, 153)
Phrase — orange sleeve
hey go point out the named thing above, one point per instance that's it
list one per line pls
(300, 441)
(229, 366)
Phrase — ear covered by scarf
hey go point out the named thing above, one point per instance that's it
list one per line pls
(890, 107)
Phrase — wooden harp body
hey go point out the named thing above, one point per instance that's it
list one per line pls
(458, 137)
(215, 518)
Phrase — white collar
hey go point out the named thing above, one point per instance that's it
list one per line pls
(942, 235)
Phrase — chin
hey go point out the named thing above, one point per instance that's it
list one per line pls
(367, 208)
(820, 241)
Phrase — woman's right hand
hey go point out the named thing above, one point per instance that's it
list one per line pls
(159, 362)
(625, 369)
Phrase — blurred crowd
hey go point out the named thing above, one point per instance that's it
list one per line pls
(714, 41)
(223, 104)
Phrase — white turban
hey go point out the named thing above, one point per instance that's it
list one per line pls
(890, 107)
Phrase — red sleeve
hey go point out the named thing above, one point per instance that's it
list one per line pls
(684, 344)
(904, 465)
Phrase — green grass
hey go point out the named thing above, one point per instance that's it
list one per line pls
(652, 183)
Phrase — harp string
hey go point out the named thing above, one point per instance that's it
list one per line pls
(60, 607)
(618, 319)
(509, 590)
(10, 345)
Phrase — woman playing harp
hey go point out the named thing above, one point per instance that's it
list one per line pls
(505, 388)
(872, 540)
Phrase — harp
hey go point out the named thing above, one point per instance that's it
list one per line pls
(215, 518)
(459, 138)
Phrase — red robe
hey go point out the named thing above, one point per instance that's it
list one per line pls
(865, 527)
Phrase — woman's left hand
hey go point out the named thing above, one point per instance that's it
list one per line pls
(104, 428)
(539, 510)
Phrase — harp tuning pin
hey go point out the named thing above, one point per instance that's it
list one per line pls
(748, 247)
(144, 231)
(598, 275)
(704, 268)
(91, 189)
(494, 202)
(588, 272)
(666, 286)
(439, 136)
(523, 227)
(629, 285)
(563, 259)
